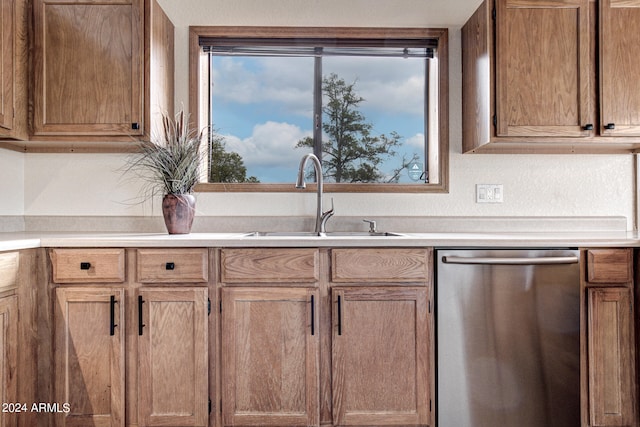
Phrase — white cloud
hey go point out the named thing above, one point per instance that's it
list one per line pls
(385, 84)
(276, 80)
(270, 144)
(415, 142)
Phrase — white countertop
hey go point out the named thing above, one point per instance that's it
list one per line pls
(15, 241)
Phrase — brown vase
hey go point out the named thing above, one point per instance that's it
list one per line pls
(178, 211)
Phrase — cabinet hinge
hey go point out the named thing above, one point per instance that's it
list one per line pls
(208, 306)
(220, 306)
(429, 304)
(430, 405)
(210, 405)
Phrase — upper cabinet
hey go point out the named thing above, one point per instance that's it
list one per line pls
(7, 61)
(531, 81)
(88, 68)
(95, 66)
(620, 67)
(542, 69)
(13, 70)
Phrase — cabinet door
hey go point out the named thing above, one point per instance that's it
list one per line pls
(542, 68)
(619, 64)
(89, 356)
(611, 357)
(173, 356)
(7, 30)
(8, 345)
(380, 356)
(270, 370)
(88, 63)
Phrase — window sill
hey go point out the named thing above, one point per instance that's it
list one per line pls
(211, 187)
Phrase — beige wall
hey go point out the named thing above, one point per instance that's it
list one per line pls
(587, 185)
(11, 183)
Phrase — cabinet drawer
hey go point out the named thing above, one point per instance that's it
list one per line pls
(609, 266)
(87, 265)
(172, 265)
(380, 265)
(269, 265)
(9, 270)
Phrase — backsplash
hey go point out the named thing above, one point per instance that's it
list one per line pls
(223, 224)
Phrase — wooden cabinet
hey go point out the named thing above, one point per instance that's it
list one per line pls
(619, 67)
(13, 70)
(270, 336)
(270, 356)
(89, 329)
(542, 68)
(609, 362)
(381, 336)
(173, 356)
(124, 352)
(8, 356)
(326, 337)
(380, 356)
(89, 355)
(172, 331)
(94, 74)
(7, 60)
(531, 82)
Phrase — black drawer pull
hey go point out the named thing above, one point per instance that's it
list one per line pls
(140, 318)
(588, 126)
(313, 315)
(85, 265)
(112, 315)
(610, 126)
(339, 315)
(170, 266)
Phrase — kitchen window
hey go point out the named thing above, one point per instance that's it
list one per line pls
(370, 103)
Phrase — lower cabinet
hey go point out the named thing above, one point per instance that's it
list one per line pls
(609, 370)
(302, 345)
(173, 357)
(129, 354)
(611, 357)
(270, 356)
(380, 356)
(89, 356)
(8, 362)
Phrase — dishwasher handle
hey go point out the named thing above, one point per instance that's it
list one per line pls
(448, 259)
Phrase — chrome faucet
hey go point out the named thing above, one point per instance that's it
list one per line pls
(321, 217)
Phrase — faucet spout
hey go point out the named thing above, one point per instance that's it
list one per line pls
(321, 217)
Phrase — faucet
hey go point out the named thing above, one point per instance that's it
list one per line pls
(321, 217)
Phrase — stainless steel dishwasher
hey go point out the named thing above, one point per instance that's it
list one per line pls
(508, 338)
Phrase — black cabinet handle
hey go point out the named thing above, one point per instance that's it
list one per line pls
(170, 266)
(112, 315)
(85, 265)
(135, 126)
(141, 325)
(610, 126)
(588, 126)
(339, 315)
(313, 315)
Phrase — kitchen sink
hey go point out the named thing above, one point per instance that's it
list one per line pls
(326, 234)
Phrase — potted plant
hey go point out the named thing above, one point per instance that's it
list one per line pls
(170, 163)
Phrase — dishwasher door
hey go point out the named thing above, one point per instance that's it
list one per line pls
(508, 338)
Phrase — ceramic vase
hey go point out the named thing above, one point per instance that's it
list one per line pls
(178, 211)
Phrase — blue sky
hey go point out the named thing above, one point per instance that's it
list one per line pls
(263, 105)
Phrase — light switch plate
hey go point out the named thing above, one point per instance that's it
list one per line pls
(489, 193)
